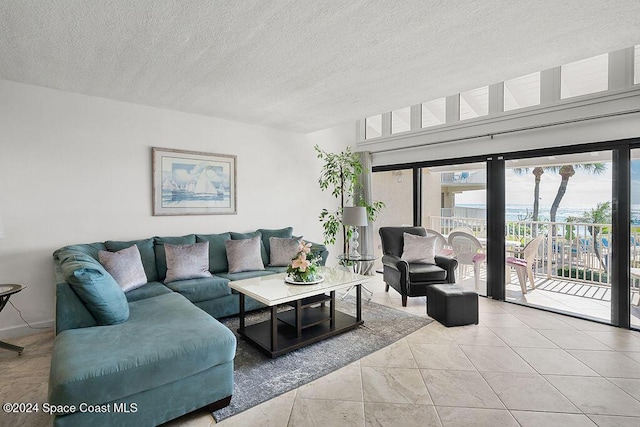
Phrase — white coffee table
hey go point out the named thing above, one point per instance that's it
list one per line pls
(310, 321)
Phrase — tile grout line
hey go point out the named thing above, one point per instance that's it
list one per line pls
(537, 372)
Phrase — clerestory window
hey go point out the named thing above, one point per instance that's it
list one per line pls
(522, 92)
(474, 103)
(583, 77)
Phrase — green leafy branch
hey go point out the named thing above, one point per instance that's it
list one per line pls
(340, 174)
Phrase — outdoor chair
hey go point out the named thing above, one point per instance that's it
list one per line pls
(442, 245)
(411, 279)
(462, 229)
(524, 265)
(468, 252)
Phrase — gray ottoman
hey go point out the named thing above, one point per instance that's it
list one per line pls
(451, 305)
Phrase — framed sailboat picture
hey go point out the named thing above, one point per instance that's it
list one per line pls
(193, 183)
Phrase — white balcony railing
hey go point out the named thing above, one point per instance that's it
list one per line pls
(571, 251)
(464, 212)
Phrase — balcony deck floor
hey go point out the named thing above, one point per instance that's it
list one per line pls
(588, 300)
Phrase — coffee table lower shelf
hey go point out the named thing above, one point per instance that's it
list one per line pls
(317, 323)
(287, 336)
(310, 321)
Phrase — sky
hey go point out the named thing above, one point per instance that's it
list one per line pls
(583, 190)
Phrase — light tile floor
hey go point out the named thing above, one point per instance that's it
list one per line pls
(571, 302)
(519, 366)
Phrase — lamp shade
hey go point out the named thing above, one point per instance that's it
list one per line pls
(355, 216)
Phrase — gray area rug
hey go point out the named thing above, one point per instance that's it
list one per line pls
(258, 378)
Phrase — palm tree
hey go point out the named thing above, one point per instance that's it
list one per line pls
(566, 172)
(537, 172)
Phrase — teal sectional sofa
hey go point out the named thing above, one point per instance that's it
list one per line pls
(153, 353)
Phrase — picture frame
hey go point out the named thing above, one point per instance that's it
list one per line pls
(193, 183)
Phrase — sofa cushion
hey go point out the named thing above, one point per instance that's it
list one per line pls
(426, 273)
(267, 233)
(419, 249)
(150, 290)
(99, 292)
(244, 255)
(147, 253)
(166, 339)
(217, 250)
(90, 249)
(228, 306)
(71, 312)
(161, 258)
(263, 250)
(246, 274)
(187, 261)
(202, 289)
(125, 266)
(282, 250)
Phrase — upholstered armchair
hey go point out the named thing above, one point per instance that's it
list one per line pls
(411, 279)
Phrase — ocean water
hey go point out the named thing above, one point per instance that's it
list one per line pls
(521, 212)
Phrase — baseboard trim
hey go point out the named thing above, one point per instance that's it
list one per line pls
(24, 330)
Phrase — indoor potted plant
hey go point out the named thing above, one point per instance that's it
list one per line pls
(340, 174)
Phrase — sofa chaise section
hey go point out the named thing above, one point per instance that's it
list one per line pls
(168, 349)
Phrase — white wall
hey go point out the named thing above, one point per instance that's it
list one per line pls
(77, 169)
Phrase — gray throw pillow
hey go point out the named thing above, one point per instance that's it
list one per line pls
(244, 255)
(282, 250)
(125, 266)
(189, 261)
(419, 249)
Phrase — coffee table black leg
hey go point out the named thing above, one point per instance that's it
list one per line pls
(299, 318)
(358, 303)
(332, 310)
(274, 328)
(241, 329)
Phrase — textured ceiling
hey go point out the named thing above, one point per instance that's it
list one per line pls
(298, 65)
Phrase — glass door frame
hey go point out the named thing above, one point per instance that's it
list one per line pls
(495, 165)
(620, 217)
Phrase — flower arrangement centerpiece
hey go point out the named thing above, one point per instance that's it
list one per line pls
(304, 266)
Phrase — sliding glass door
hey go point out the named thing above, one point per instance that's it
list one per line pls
(570, 241)
(558, 227)
(454, 199)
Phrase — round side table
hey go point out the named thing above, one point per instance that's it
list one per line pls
(361, 265)
(5, 292)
